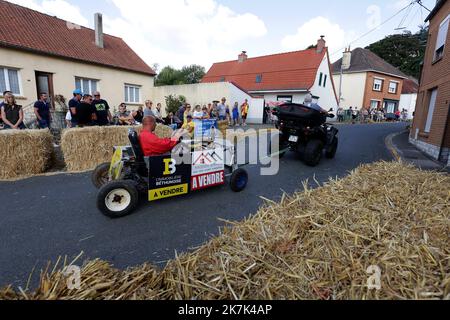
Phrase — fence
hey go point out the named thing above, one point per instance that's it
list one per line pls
(58, 117)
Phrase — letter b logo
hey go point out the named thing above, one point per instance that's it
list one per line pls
(170, 166)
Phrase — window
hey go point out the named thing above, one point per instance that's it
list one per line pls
(285, 98)
(132, 93)
(441, 38)
(377, 85)
(259, 78)
(320, 79)
(325, 81)
(429, 122)
(374, 104)
(86, 85)
(393, 86)
(9, 81)
(222, 79)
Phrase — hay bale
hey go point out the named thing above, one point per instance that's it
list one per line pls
(86, 148)
(24, 153)
(163, 131)
(317, 244)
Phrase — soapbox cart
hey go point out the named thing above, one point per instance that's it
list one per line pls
(192, 166)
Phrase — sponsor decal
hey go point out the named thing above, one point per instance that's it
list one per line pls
(168, 192)
(207, 161)
(208, 180)
(205, 128)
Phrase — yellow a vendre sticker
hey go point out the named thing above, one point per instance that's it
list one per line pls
(168, 192)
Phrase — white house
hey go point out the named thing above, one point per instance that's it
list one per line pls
(408, 98)
(281, 77)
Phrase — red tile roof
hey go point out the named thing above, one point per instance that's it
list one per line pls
(286, 71)
(29, 30)
(410, 86)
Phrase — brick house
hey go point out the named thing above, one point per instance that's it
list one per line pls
(281, 77)
(364, 80)
(431, 127)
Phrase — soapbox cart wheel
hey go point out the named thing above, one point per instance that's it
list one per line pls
(118, 198)
(100, 176)
(239, 180)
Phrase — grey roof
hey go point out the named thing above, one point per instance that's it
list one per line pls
(435, 10)
(364, 60)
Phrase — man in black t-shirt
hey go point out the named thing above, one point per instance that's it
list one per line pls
(42, 111)
(101, 106)
(73, 105)
(85, 112)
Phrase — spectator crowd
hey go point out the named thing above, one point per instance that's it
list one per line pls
(92, 110)
(365, 115)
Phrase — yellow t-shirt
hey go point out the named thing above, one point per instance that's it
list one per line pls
(189, 127)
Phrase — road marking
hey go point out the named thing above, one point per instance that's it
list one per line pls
(391, 147)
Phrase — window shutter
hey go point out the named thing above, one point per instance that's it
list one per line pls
(78, 83)
(94, 86)
(431, 111)
(13, 76)
(442, 35)
(2, 81)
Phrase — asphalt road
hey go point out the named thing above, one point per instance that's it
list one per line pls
(43, 218)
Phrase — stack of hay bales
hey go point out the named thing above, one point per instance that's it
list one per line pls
(25, 152)
(86, 148)
(319, 244)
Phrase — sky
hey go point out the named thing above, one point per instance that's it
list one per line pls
(184, 32)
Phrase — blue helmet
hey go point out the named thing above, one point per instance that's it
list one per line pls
(77, 91)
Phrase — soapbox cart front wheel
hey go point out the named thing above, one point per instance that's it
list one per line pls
(118, 199)
(100, 176)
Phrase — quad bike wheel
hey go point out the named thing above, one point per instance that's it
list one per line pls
(313, 153)
(332, 149)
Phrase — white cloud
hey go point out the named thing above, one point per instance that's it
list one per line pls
(398, 5)
(60, 8)
(309, 32)
(181, 32)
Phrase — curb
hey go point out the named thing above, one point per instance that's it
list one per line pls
(396, 153)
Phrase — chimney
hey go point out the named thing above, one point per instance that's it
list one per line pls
(321, 44)
(347, 59)
(99, 30)
(243, 57)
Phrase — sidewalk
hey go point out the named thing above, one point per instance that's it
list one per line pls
(408, 153)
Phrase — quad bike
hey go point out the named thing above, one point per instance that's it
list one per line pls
(305, 130)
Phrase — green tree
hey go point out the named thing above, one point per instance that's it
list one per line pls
(170, 76)
(405, 51)
(192, 74)
(174, 103)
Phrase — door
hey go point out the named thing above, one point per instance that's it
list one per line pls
(44, 83)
